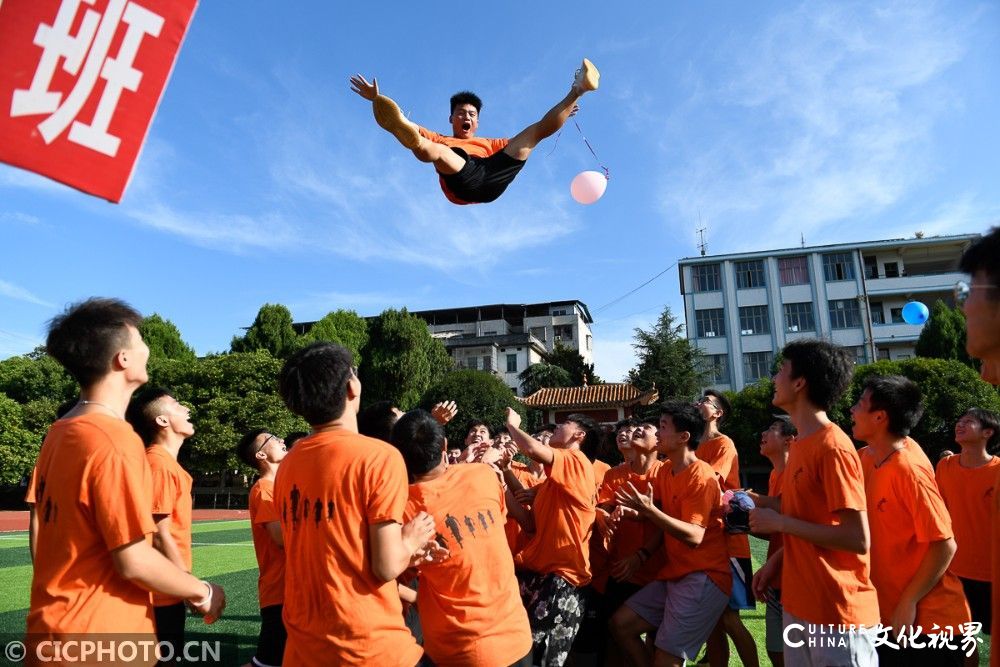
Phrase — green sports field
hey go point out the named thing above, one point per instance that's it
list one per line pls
(223, 553)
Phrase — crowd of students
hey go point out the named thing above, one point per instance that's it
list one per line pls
(378, 543)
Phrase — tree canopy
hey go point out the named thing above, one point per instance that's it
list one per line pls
(667, 360)
(478, 395)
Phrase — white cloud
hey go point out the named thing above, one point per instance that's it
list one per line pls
(833, 107)
(15, 217)
(12, 291)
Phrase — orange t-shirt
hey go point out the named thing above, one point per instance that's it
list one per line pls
(474, 147)
(631, 534)
(29, 494)
(774, 491)
(995, 596)
(564, 518)
(330, 489)
(270, 556)
(516, 537)
(905, 514)
(919, 456)
(470, 605)
(968, 494)
(93, 496)
(172, 496)
(821, 585)
(720, 453)
(694, 496)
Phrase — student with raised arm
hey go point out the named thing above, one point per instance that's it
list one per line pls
(554, 565)
(94, 565)
(341, 497)
(824, 562)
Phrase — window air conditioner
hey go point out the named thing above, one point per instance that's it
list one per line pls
(793, 328)
(747, 332)
(709, 334)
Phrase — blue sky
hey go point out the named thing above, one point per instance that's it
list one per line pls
(265, 180)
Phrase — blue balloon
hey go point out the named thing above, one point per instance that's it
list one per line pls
(915, 313)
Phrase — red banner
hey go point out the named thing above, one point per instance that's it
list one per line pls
(79, 84)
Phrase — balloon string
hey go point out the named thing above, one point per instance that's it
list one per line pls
(607, 174)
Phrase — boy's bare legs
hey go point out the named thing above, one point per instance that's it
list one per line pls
(520, 146)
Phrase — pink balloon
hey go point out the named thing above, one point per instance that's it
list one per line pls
(588, 186)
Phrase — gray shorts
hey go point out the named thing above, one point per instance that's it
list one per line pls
(685, 611)
(808, 646)
(773, 622)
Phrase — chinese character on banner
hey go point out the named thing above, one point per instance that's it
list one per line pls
(80, 83)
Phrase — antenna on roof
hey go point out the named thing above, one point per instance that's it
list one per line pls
(802, 239)
(702, 245)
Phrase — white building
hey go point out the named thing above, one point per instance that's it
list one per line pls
(507, 338)
(742, 308)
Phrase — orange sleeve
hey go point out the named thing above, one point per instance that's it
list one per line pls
(497, 145)
(843, 481)
(931, 521)
(266, 511)
(722, 461)
(119, 499)
(700, 499)
(606, 492)
(29, 495)
(387, 490)
(165, 486)
(428, 134)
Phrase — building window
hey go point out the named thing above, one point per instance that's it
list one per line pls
(838, 266)
(845, 314)
(896, 315)
(487, 363)
(706, 278)
(892, 269)
(710, 322)
(473, 363)
(560, 311)
(799, 317)
(590, 342)
(877, 312)
(756, 365)
(871, 267)
(750, 274)
(859, 354)
(539, 333)
(793, 271)
(883, 354)
(754, 320)
(562, 333)
(511, 363)
(715, 368)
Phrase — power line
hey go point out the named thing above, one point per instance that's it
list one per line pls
(634, 290)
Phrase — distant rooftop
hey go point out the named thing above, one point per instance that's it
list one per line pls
(591, 396)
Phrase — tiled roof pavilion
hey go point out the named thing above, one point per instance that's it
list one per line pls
(604, 402)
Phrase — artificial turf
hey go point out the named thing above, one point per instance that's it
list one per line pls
(223, 553)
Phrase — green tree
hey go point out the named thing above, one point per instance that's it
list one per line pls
(164, 339)
(18, 446)
(943, 336)
(479, 395)
(402, 360)
(344, 327)
(949, 388)
(667, 360)
(271, 330)
(752, 413)
(571, 361)
(35, 376)
(540, 375)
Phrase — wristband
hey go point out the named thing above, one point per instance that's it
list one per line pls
(207, 600)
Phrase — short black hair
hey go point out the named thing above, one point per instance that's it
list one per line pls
(899, 397)
(685, 417)
(826, 368)
(984, 255)
(294, 437)
(66, 406)
(313, 382)
(551, 428)
(420, 439)
(787, 427)
(142, 413)
(87, 335)
(465, 97)
(592, 434)
(987, 419)
(477, 422)
(245, 445)
(724, 404)
(625, 423)
(376, 420)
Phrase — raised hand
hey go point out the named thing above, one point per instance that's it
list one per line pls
(360, 85)
(418, 531)
(513, 418)
(632, 498)
(444, 412)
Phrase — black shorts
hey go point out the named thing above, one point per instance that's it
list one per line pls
(271, 640)
(170, 627)
(482, 179)
(979, 594)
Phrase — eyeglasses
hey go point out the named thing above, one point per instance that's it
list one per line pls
(707, 399)
(264, 443)
(962, 290)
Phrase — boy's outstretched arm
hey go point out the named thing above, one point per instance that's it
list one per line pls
(360, 85)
